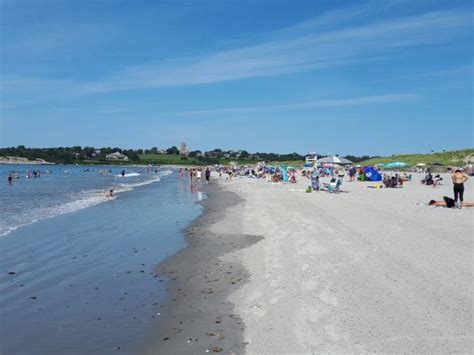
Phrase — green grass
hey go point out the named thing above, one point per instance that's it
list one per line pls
(167, 159)
(180, 160)
(451, 158)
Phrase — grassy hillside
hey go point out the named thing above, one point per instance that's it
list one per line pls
(167, 159)
(181, 160)
(454, 158)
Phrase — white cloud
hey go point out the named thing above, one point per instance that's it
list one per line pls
(338, 38)
(353, 101)
(301, 48)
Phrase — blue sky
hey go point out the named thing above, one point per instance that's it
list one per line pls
(376, 77)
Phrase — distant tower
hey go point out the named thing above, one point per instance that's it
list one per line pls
(184, 149)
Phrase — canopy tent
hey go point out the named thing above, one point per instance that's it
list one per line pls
(394, 164)
(327, 165)
(334, 160)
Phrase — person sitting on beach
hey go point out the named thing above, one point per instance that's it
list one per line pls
(401, 180)
(292, 178)
(428, 179)
(315, 182)
(275, 177)
(436, 180)
(393, 182)
(448, 202)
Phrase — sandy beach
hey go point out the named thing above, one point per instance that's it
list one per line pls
(365, 270)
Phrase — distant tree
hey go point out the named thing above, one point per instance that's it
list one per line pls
(131, 154)
(88, 151)
(172, 151)
(195, 153)
(154, 150)
(244, 154)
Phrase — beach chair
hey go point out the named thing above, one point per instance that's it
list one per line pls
(334, 186)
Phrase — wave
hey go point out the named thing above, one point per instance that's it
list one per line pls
(81, 200)
(127, 175)
(84, 199)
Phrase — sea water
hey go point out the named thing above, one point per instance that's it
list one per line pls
(77, 267)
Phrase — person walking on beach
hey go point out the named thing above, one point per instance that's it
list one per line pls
(459, 178)
(208, 174)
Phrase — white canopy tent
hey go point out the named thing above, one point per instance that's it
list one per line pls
(334, 160)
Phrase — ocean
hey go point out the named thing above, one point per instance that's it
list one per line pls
(77, 267)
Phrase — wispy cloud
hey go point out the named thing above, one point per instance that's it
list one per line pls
(353, 101)
(339, 38)
(459, 71)
(301, 48)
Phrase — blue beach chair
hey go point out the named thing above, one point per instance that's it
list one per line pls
(334, 187)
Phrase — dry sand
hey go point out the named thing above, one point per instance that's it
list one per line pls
(361, 271)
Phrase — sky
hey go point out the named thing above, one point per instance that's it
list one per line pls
(333, 77)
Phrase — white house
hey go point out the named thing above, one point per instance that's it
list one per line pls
(116, 156)
(311, 158)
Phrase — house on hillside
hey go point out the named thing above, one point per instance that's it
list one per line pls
(116, 156)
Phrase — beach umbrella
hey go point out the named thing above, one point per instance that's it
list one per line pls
(334, 160)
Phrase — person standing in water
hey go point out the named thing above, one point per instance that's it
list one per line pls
(208, 174)
(459, 178)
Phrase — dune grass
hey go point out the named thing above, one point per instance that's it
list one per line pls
(450, 158)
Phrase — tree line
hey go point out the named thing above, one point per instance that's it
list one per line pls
(78, 154)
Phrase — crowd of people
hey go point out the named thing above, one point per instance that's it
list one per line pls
(290, 175)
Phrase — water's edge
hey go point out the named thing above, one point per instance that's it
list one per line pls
(198, 316)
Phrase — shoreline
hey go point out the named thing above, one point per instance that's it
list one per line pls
(198, 317)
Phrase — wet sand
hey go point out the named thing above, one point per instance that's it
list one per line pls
(198, 317)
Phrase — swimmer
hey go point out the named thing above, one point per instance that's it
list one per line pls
(110, 193)
(123, 172)
(10, 179)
